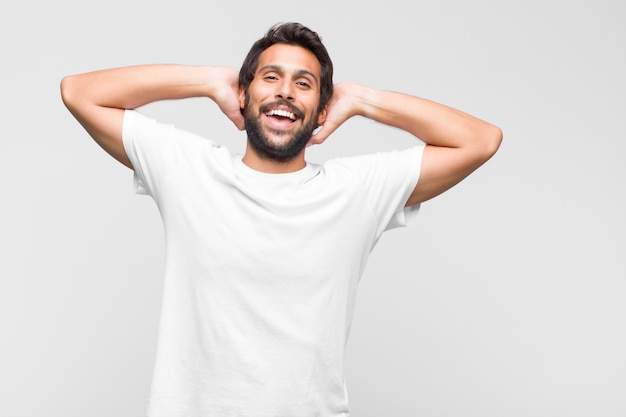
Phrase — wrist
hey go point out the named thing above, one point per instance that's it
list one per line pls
(216, 78)
(364, 99)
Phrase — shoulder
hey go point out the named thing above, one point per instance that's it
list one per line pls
(143, 130)
(155, 146)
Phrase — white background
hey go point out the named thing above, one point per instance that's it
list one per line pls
(507, 298)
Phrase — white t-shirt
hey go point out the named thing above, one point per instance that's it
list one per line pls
(261, 271)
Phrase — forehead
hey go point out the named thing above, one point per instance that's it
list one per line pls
(291, 58)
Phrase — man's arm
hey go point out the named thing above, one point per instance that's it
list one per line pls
(457, 143)
(98, 99)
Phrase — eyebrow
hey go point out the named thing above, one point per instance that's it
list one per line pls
(278, 68)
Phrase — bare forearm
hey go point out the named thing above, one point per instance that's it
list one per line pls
(434, 123)
(132, 87)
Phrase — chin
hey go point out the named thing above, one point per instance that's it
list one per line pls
(277, 146)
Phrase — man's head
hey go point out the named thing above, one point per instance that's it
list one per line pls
(285, 84)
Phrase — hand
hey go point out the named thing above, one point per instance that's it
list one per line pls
(341, 107)
(225, 94)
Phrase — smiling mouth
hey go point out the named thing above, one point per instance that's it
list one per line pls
(282, 114)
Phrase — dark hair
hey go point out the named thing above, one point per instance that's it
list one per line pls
(291, 34)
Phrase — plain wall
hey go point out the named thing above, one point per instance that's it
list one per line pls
(506, 298)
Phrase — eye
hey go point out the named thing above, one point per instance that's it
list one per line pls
(303, 84)
(270, 77)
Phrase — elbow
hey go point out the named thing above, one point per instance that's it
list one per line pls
(487, 143)
(68, 90)
(492, 140)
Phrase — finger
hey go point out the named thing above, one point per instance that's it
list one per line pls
(237, 120)
(322, 133)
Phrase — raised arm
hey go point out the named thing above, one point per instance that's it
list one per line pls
(98, 99)
(457, 143)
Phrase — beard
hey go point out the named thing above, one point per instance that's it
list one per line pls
(264, 147)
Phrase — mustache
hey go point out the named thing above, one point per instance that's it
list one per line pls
(282, 103)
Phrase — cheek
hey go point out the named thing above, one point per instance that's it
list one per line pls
(313, 112)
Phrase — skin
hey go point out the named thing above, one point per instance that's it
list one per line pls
(291, 75)
(456, 143)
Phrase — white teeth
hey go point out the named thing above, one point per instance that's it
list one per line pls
(282, 113)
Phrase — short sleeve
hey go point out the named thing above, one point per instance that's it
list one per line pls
(388, 180)
(144, 145)
(156, 150)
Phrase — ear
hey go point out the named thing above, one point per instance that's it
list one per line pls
(242, 97)
(321, 118)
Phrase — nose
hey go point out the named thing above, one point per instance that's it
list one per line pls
(285, 90)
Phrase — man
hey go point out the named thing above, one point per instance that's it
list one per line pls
(264, 252)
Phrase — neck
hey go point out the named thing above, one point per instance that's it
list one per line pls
(270, 166)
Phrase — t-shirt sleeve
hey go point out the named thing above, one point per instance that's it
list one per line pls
(389, 178)
(156, 150)
(149, 149)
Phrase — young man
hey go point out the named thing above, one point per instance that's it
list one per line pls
(264, 252)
